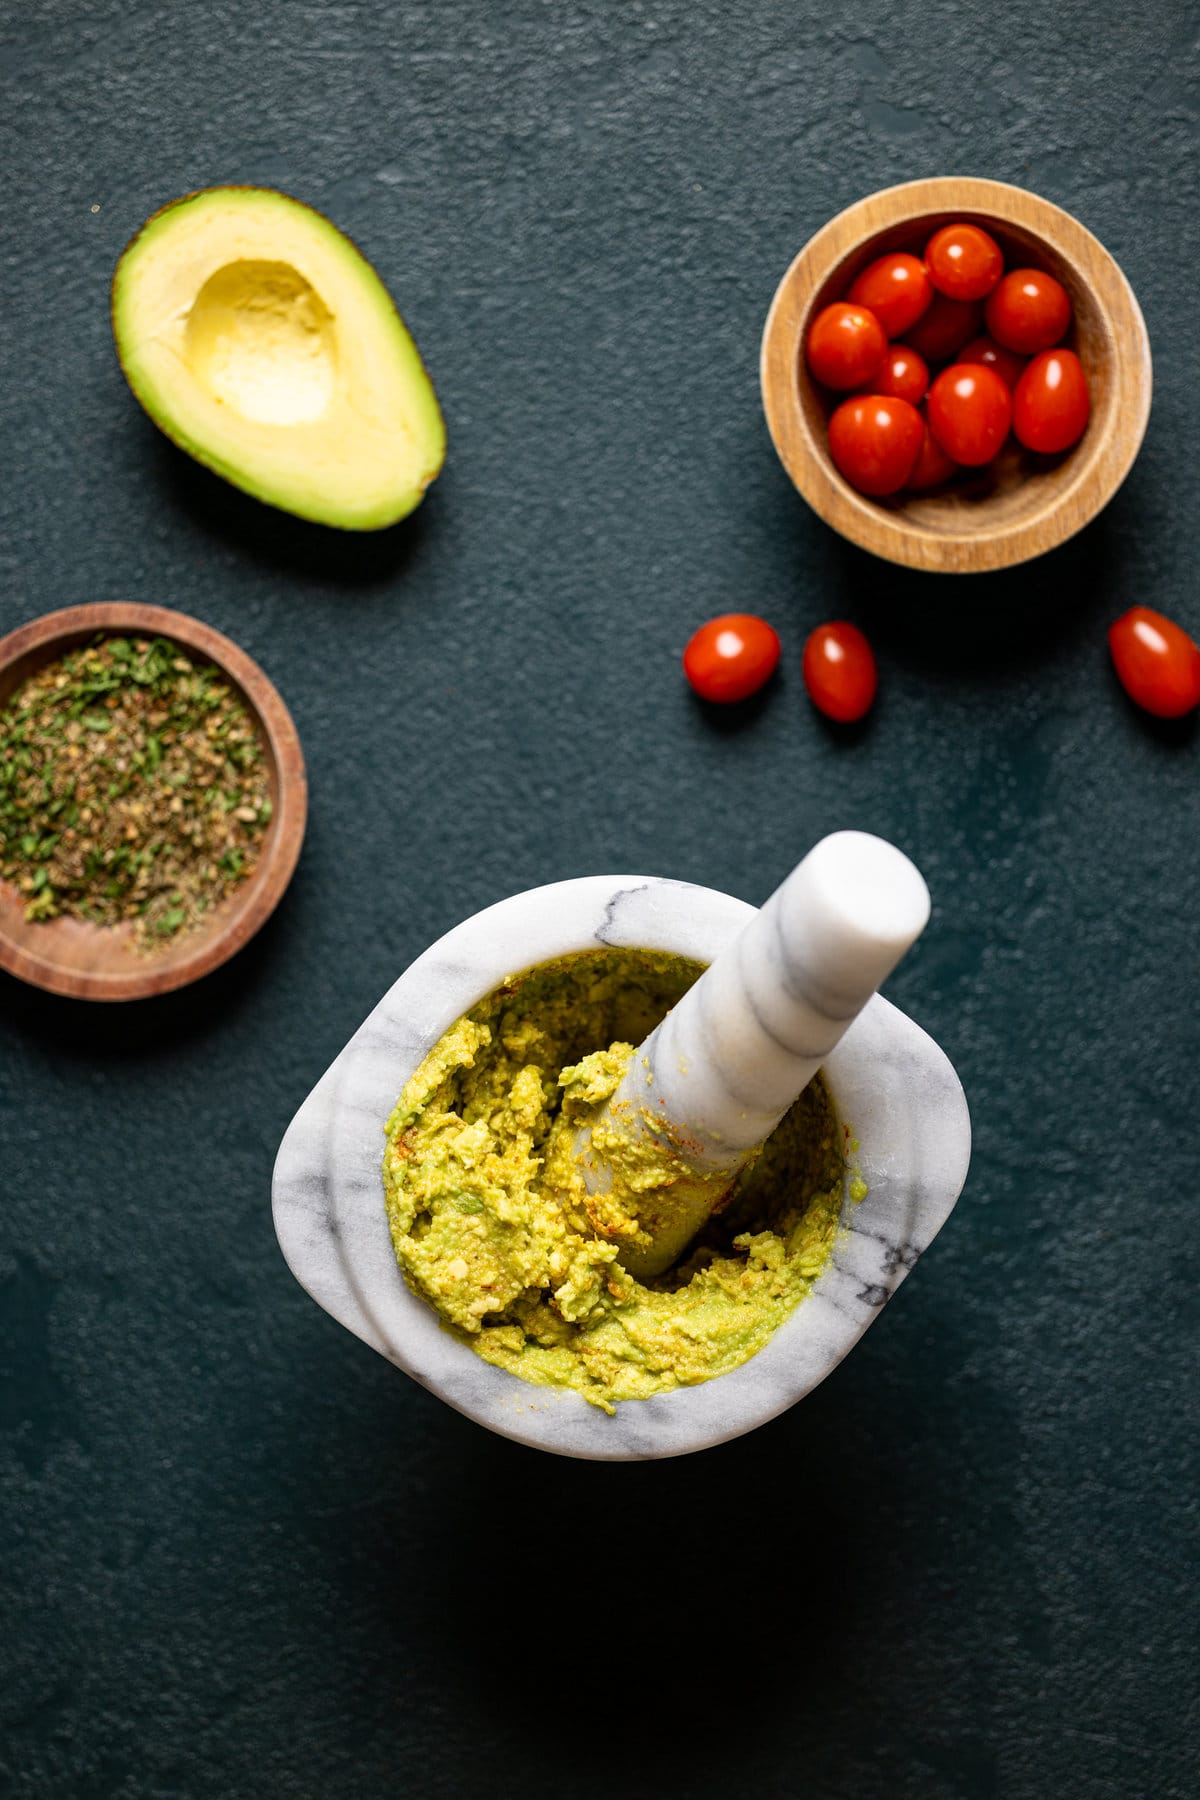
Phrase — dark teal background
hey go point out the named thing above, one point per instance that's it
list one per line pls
(244, 1556)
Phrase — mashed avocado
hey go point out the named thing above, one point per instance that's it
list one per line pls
(492, 1225)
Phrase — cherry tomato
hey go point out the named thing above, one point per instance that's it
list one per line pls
(1157, 663)
(846, 345)
(970, 411)
(933, 466)
(896, 288)
(839, 671)
(1051, 406)
(1029, 311)
(904, 375)
(944, 327)
(964, 262)
(731, 657)
(1007, 364)
(875, 440)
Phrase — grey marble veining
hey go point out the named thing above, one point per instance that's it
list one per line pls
(890, 1083)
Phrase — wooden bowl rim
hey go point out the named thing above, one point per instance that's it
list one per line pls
(855, 516)
(266, 886)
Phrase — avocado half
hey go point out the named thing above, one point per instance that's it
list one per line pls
(265, 345)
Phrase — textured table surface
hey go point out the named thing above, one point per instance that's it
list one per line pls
(241, 1554)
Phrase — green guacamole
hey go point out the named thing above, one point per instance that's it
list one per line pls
(492, 1225)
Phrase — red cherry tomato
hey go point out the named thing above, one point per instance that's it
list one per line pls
(904, 374)
(933, 466)
(1051, 406)
(964, 262)
(875, 440)
(1029, 311)
(1157, 663)
(731, 657)
(846, 345)
(970, 411)
(839, 671)
(944, 327)
(896, 288)
(1007, 364)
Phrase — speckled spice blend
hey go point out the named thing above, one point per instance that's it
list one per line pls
(133, 786)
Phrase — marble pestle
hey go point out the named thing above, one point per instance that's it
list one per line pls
(712, 1081)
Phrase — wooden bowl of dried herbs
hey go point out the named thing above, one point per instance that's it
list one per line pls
(152, 800)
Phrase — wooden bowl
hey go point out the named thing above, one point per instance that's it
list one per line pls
(1023, 504)
(94, 962)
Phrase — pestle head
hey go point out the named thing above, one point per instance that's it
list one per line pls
(848, 913)
(713, 1080)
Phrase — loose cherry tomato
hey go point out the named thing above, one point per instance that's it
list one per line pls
(875, 440)
(970, 411)
(896, 288)
(944, 327)
(963, 262)
(1051, 405)
(933, 466)
(839, 671)
(1029, 311)
(731, 657)
(1007, 364)
(904, 374)
(846, 345)
(1157, 663)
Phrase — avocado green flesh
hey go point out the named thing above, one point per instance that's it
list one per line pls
(493, 1227)
(263, 343)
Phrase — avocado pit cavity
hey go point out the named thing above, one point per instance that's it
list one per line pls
(262, 340)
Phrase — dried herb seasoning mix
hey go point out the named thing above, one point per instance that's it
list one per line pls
(133, 786)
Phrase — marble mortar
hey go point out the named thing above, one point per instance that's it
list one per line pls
(891, 1084)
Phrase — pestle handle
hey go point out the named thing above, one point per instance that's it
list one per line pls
(750, 1035)
(718, 1074)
